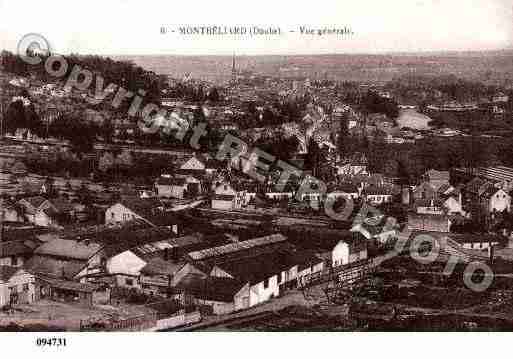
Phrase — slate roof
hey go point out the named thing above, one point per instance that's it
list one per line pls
(237, 247)
(70, 249)
(259, 268)
(36, 201)
(159, 266)
(129, 239)
(210, 288)
(149, 209)
(16, 248)
(6, 272)
(144, 207)
(70, 285)
(55, 267)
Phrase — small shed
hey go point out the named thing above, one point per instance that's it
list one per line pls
(86, 294)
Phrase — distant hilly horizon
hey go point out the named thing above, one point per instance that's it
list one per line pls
(490, 67)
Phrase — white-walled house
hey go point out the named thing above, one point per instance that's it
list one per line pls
(226, 198)
(262, 286)
(346, 253)
(454, 206)
(223, 294)
(198, 163)
(126, 211)
(177, 187)
(499, 201)
(378, 194)
(39, 211)
(148, 210)
(17, 286)
(126, 268)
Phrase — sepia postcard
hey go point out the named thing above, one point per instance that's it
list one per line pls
(266, 166)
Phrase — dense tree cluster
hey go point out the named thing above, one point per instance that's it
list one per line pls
(372, 102)
(124, 74)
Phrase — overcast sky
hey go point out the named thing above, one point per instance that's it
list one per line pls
(132, 27)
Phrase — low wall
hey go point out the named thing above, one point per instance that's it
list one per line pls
(177, 321)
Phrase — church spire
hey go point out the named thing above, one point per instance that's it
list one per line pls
(234, 69)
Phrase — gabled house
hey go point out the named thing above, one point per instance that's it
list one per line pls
(347, 252)
(381, 230)
(483, 198)
(39, 211)
(424, 191)
(429, 222)
(353, 166)
(11, 211)
(178, 186)
(260, 272)
(443, 200)
(66, 259)
(144, 210)
(125, 268)
(17, 286)
(199, 164)
(498, 200)
(429, 206)
(223, 294)
(226, 198)
(16, 246)
(436, 178)
(452, 199)
(158, 275)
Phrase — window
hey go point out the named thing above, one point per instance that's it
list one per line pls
(129, 281)
(14, 261)
(25, 287)
(13, 290)
(112, 215)
(266, 283)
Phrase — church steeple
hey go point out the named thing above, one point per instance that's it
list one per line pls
(234, 70)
